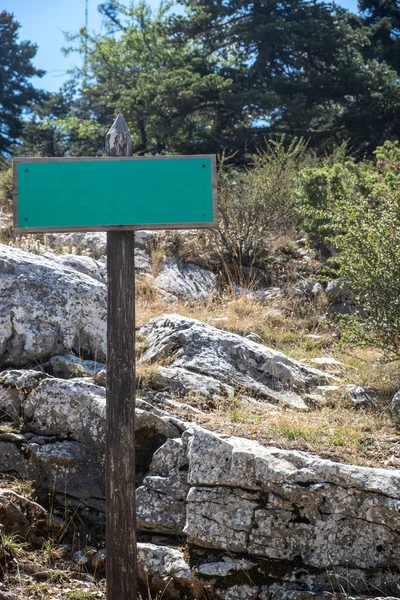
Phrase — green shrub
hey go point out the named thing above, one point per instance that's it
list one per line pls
(352, 214)
(6, 190)
(323, 187)
(368, 253)
(254, 206)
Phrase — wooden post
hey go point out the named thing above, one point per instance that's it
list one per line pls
(120, 428)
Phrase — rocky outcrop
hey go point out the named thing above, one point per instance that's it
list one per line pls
(47, 308)
(222, 363)
(257, 522)
(62, 446)
(294, 516)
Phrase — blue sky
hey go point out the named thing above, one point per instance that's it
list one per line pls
(44, 21)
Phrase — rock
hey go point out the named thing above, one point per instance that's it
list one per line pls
(254, 337)
(80, 558)
(317, 289)
(166, 402)
(161, 499)
(183, 382)
(263, 295)
(142, 260)
(334, 291)
(98, 562)
(82, 264)
(25, 518)
(15, 386)
(47, 309)
(279, 505)
(146, 239)
(185, 280)
(68, 365)
(225, 567)
(64, 450)
(220, 517)
(326, 360)
(161, 571)
(236, 363)
(339, 298)
(22, 379)
(362, 397)
(74, 408)
(287, 505)
(304, 287)
(327, 389)
(395, 405)
(266, 294)
(239, 592)
(164, 570)
(92, 243)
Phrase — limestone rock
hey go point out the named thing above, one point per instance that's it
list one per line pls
(26, 518)
(185, 280)
(22, 379)
(83, 264)
(183, 382)
(74, 408)
(287, 505)
(362, 397)
(162, 568)
(47, 308)
(339, 298)
(395, 405)
(15, 386)
(142, 260)
(64, 449)
(239, 592)
(161, 571)
(94, 244)
(237, 363)
(161, 499)
(68, 365)
(264, 295)
(165, 401)
(225, 567)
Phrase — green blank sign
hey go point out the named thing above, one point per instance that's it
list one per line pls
(114, 193)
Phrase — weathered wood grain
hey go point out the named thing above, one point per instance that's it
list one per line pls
(120, 428)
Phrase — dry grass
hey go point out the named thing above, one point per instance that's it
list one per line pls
(336, 430)
(339, 433)
(45, 572)
(300, 329)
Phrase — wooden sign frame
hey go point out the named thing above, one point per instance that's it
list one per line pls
(120, 227)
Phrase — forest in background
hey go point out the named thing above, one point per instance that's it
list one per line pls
(221, 77)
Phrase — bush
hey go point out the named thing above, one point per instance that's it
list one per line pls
(254, 206)
(367, 244)
(322, 188)
(6, 190)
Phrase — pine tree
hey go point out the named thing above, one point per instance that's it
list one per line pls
(383, 18)
(16, 90)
